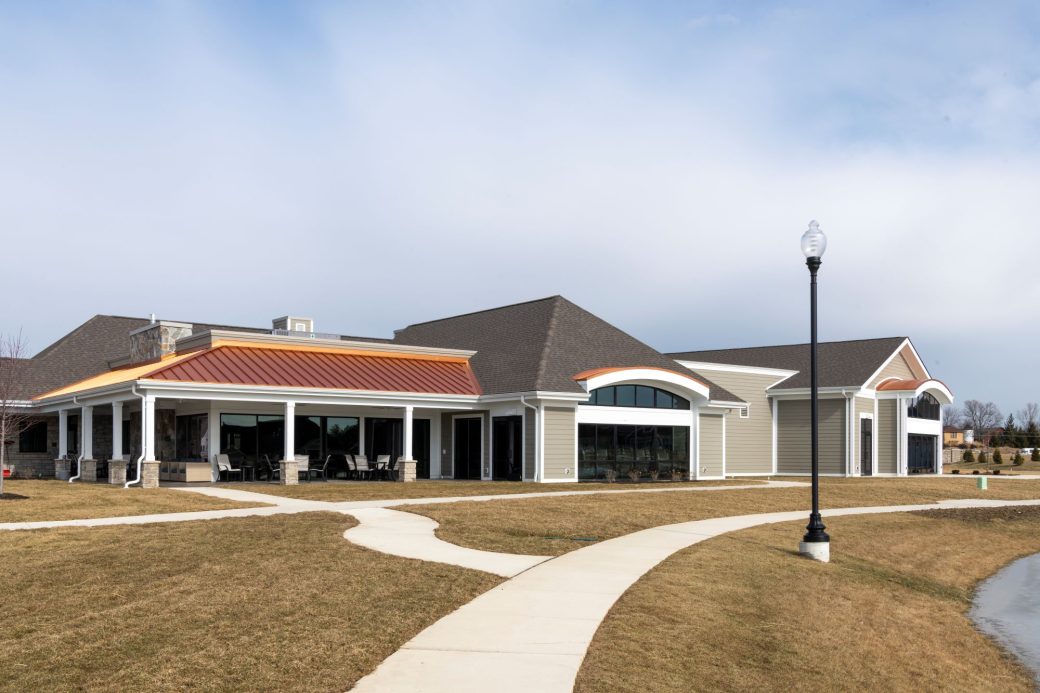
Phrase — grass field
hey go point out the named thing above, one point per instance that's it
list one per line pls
(383, 490)
(743, 612)
(551, 526)
(30, 501)
(260, 604)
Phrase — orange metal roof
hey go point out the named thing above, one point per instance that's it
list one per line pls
(908, 385)
(585, 375)
(240, 365)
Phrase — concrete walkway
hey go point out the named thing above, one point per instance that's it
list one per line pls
(531, 632)
(412, 536)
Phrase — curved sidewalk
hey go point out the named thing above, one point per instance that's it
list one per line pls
(413, 536)
(531, 632)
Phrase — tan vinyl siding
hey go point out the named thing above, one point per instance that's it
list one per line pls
(863, 406)
(560, 443)
(530, 442)
(446, 439)
(749, 442)
(887, 438)
(904, 366)
(710, 444)
(794, 435)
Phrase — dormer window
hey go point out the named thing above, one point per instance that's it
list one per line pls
(641, 396)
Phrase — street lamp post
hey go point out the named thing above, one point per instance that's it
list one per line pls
(815, 544)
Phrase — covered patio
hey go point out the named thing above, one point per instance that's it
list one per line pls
(264, 408)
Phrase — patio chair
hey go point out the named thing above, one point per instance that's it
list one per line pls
(391, 469)
(273, 473)
(303, 467)
(224, 465)
(382, 465)
(322, 469)
(361, 467)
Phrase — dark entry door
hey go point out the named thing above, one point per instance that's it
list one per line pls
(467, 448)
(921, 454)
(866, 446)
(506, 448)
(421, 447)
(386, 437)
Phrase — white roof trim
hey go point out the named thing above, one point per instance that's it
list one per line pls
(935, 387)
(782, 373)
(891, 358)
(688, 386)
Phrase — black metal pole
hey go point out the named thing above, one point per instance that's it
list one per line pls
(815, 529)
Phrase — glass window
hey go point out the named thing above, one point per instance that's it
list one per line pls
(604, 447)
(924, 407)
(636, 396)
(342, 436)
(191, 437)
(33, 438)
(73, 434)
(307, 434)
(271, 432)
(644, 396)
(626, 396)
(238, 437)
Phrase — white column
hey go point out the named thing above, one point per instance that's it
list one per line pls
(87, 433)
(214, 438)
(117, 430)
(290, 431)
(408, 412)
(63, 432)
(148, 428)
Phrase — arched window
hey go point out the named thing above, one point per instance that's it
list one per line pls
(636, 396)
(924, 407)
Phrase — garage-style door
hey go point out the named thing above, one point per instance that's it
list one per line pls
(921, 454)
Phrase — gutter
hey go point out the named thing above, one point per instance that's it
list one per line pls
(140, 459)
(538, 438)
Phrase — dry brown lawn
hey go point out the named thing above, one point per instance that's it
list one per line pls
(335, 491)
(35, 500)
(253, 604)
(744, 612)
(551, 526)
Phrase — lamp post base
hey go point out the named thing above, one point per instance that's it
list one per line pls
(816, 550)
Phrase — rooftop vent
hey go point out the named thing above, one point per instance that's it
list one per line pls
(291, 324)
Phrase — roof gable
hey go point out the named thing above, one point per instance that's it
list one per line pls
(840, 364)
(540, 346)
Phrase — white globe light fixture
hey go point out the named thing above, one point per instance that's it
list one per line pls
(814, 241)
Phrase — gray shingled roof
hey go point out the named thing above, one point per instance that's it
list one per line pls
(840, 364)
(87, 350)
(541, 345)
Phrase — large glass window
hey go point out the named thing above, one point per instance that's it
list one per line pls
(603, 447)
(192, 437)
(924, 407)
(636, 396)
(33, 438)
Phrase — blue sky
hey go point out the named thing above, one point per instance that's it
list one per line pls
(378, 164)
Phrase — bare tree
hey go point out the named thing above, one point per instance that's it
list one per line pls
(14, 414)
(981, 417)
(1029, 415)
(952, 416)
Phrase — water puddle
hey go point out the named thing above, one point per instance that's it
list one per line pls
(1007, 608)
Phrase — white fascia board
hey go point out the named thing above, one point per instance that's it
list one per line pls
(536, 394)
(781, 373)
(803, 392)
(722, 404)
(165, 388)
(935, 387)
(919, 359)
(688, 386)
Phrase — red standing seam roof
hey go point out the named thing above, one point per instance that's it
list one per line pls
(233, 365)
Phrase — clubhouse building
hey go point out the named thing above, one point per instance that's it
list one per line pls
(539, 391)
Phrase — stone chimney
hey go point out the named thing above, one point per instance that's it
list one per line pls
(156, 339)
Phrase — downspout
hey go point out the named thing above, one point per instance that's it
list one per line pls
(140, 459)
(524, 402)
(79, 460)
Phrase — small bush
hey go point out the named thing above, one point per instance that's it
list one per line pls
(968, 457)
(610, 475)
(956, 471)
(677, 475)
(654, 473)
(1036, 454)
(996, 471)
(983, 458)
(974, 471)
(634, 474)
(997, 457)
(1018, 459)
